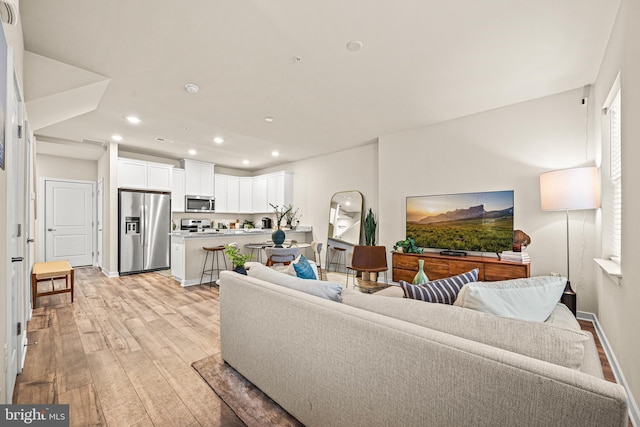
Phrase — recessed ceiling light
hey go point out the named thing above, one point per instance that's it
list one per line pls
(133, 120)
(218, 140)
(275, 153)
(193, 152)
(245, 162)
(269, 119)
(116, 137)
(192, 88)
(354, 45)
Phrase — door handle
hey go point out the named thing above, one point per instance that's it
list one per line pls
(31, 240)
(51, 229)
(17, 259)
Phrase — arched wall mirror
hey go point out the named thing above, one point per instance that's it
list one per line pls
(345, 222)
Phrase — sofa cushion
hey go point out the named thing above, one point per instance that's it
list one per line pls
(328, 290)
(532, 298)
(443, 291)
(292, 270)
(555, 344)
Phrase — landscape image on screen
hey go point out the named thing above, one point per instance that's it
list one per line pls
(481, 222)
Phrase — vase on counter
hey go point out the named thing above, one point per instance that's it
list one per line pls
(421, 277)
(278, 237)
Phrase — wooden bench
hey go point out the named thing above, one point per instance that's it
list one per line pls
(43, 271)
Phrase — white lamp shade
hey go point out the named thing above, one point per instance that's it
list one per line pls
(570, 189)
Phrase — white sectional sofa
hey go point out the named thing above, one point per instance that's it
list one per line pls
(376, 360)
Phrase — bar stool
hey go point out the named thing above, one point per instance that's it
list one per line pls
(215, 262)
(337, 254)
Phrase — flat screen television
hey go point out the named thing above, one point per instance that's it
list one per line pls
(481, 222)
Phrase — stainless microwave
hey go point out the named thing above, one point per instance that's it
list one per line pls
(199, 204)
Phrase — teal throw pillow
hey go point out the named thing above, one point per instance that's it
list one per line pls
(303, 269)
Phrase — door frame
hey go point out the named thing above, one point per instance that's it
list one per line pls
(42, 210)
(99, 258)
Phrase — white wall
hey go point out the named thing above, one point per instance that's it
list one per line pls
(617, 305)
(502, 149)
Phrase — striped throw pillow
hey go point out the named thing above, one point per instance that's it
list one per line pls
(443, 291)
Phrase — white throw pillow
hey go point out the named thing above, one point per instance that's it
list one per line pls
(532, 298)
(328, 290)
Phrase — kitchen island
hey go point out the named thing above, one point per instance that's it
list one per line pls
(187, 255)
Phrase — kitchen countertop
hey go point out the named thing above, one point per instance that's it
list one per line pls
(232, 232)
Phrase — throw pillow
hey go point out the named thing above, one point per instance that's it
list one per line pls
(290, 268)
(319, 288)
(303, 268)
(443, 291)
(532, 298)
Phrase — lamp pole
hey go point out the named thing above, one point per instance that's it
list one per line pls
(569, 297)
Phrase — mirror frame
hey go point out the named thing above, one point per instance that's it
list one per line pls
(330, 227)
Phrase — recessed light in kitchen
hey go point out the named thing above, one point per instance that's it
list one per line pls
(192, 88)
(116, 137)
(218, 140)
(275, 153)
(133, 120)
(245, 162)
(193, 152)
(269, 119)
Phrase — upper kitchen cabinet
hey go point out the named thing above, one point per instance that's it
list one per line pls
(177, 190)
(272, 189)
(198, 178)
(227, 193)
(141, 175)
(245, 202)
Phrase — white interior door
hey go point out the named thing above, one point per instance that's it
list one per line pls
(69, 228)
(100, 194)
(14, 166)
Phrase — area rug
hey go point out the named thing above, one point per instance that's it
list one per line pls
(248, 402)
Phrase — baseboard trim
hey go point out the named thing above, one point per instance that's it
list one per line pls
(108, 273)
(634, 412)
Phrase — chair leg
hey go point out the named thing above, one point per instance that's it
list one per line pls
(204, 267)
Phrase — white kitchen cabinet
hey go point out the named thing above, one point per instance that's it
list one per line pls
(227, 190)
(260, 194)
(245, 187)
(272, 189)
(177, 190)
(141, 175)
(199, 177)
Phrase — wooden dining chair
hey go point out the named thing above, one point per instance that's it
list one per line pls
(368, 259)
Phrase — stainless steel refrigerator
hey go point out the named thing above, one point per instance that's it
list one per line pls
(145, 224)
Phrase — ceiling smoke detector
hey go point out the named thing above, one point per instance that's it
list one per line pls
(354, 45)
(192, 88)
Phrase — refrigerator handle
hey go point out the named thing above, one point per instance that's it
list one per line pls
(143, 225)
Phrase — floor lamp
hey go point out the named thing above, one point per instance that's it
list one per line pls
(568, 190)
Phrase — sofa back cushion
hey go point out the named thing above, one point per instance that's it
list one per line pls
(328, 290)
(558, 345)
(531, 298)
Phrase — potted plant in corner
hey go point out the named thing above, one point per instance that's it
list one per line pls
(238, 259)
(370, 226)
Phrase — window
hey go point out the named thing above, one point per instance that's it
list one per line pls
(615, 173)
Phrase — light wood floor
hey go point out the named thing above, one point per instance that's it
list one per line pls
(121, 354)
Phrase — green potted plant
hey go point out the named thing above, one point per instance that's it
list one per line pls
(370, 226)
(238, 259)
(407, 246)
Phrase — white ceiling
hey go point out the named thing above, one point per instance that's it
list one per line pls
(422, 62)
